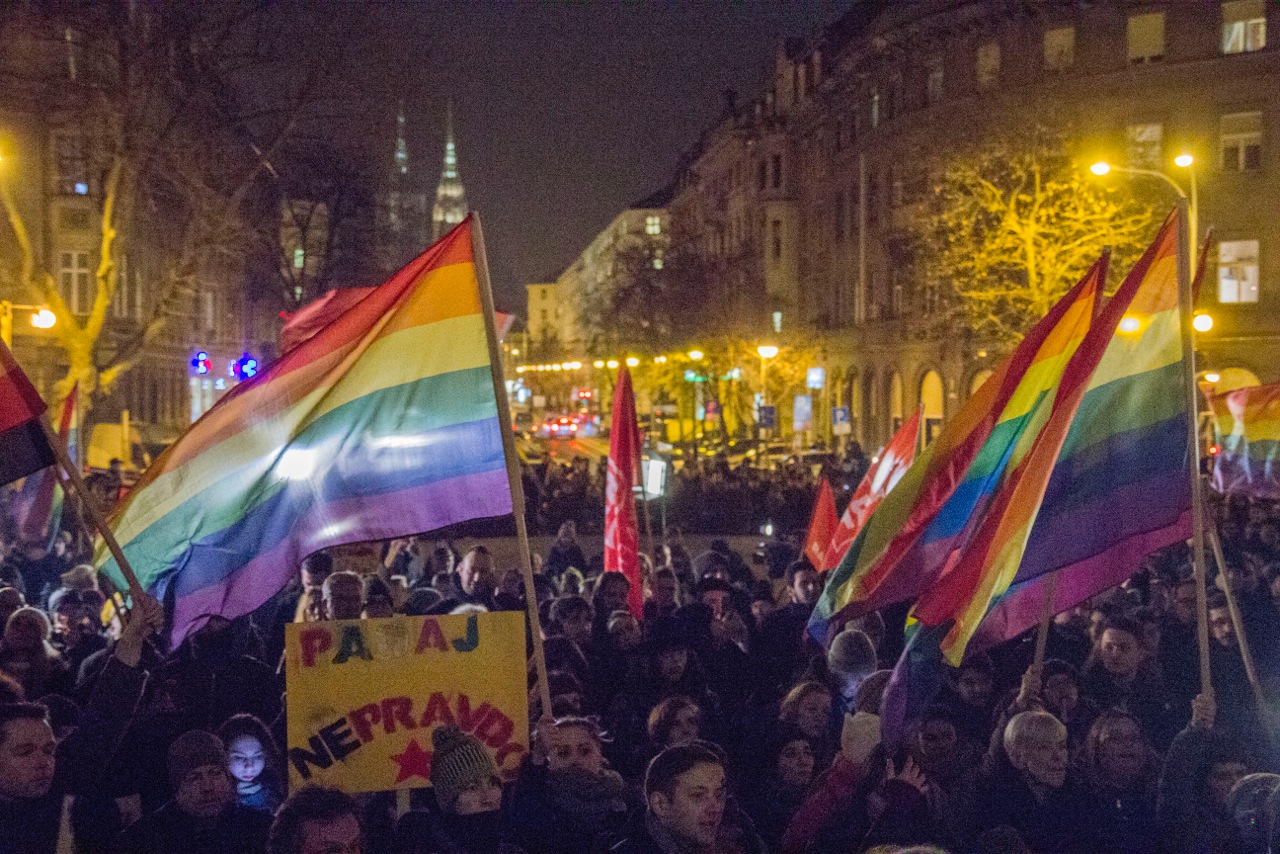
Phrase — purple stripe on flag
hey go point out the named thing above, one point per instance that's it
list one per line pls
(423, 508)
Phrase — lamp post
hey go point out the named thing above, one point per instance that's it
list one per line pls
(41, 318)
(1182, 161)
(766, 352)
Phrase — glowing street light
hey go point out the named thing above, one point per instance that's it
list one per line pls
(767, 351)
(44, 319)
(612, 364)
(599, 363)
(41, 318)
(1201, 322)
(1183, 161)
(1212, 376)
(632, 361)
(696, 355)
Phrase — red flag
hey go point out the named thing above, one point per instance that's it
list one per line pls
(621, 532)
(23, 446)
(883, 475)
(37, 521)
(821, 526)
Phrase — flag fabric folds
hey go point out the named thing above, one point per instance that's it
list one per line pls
(1133, 349)
(1121, 484)
(621, 530)
(822, 527)
(934, 507)
(382, 424)
(41, 498)
(1247, 424)
(23, 446)
(881, 477)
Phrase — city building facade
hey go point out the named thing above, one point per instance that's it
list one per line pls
(810, 191)
(451, 197)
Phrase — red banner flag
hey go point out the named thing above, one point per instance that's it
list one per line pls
(883, 475)
(621, 532)
(822, 525)
(23, 446)
(41, 513)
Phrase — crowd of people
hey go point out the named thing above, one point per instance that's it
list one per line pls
(707, 495)
(710, 722)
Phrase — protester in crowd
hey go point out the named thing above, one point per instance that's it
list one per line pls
(566, 799)
(254, 761)
(468, 793)
(343, 596)
(1121, 769)
(788, 767)
(317, 820)
(205, 814)
(685, 791)
(565, 552)
(28, 656)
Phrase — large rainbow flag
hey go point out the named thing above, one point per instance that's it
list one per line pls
(1115, 452)
(1247, 422)
(1120, 488)
(383, 423)
(933, 509)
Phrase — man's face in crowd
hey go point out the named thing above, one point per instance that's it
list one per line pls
(1184, 604)
(938, 740)
(577, 627)
(695, 808)
(805, 587)
(1121, 653)
(1220, 626)
(26, 759)
(664, 590)
(1077, 618)
(1121, 752)
(1061, 692)
(205, 792)
(476, 574)
(336, 836)
(1044, 758)
(715, 599)
(342, 597)
(974, 687)
(612, 593)
(685, 728)
(672, 663)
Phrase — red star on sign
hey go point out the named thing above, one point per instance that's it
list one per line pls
(414, 762)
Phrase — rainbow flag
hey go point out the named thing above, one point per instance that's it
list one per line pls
(909, 538)
(1129, 370)
(382, 424)
(1247, 422)
(1120, 487)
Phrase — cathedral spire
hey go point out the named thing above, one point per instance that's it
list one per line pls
(451, 198)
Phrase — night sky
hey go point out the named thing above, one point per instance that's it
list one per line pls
(566, 113)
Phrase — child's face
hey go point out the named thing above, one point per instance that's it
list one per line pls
(247, 758)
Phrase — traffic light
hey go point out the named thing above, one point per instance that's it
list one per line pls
(246, 367)
(201, 363)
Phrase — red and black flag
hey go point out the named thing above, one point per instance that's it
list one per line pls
(23, 446)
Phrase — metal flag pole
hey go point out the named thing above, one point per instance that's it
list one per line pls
(513, 462)
(1187, 309)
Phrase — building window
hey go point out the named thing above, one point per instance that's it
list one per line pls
(120, 307)
(1146, 38)
(777, 240)
(776, 164)
(1244, 26)
(652, 224)
(299, 258)
(71, 156)
(875, 108)
(1145, 146)
(987, 72)
(73, 281)
(760, 175)
(933, 85)
(1241, 136)
(1238, 271)
(1059, 48)
(657, 258)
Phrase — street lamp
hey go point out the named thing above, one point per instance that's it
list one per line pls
(695, 355)
(41, 318)
(1182, 161)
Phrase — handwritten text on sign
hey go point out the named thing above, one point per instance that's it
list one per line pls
(364, 696)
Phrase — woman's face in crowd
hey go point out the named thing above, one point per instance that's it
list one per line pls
(247, 758)
(1122, 757)
(685, 728)
(571, 749)
(672, 664)
(974, 688)
(813, 714)
(937, 741)
(1045, 759)
(795, 763)
(484, 797)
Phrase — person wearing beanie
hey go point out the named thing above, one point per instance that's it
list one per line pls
(204, 814)
(468, 791)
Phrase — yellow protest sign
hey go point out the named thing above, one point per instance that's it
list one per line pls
(364, 696)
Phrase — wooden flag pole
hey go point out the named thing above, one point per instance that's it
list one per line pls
(1187, 305)
(1237, 622)
(91, 511)
(1046, 620)
(513, 462)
